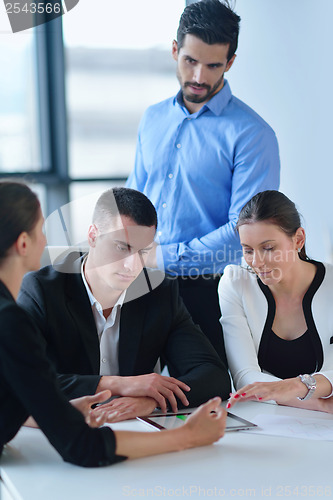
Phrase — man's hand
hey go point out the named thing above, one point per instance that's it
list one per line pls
(152, 385)
(128, 407)
(158, 387)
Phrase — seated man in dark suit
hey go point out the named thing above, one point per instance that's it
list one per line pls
(107, 320)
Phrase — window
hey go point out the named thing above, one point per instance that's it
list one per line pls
(19, 120)
(32, 133)
(118, 62)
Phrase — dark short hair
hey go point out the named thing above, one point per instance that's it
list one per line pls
(212, 21)
(276, 208)
(19, 212)
(124, 201)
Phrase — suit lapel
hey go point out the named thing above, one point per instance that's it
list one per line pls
(132, 319)
(79, 308)
(130, 332)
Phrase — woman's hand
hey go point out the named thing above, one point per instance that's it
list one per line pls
(93, 417)
(282, 391)
(206, 425)
(98, 416)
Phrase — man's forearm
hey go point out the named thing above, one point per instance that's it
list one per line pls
(111, 382)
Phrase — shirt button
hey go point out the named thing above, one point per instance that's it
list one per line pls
(164, 205)
(170, 176)
(159, 233)
(103, 360)
(179, 146)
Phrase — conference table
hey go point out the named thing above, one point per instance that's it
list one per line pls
(243, 464)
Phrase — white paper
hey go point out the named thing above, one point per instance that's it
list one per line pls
(299, 427)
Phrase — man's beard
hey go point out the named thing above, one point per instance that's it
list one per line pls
(199, 98)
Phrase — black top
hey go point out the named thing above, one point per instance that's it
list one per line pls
(289, 358)
(28, 386)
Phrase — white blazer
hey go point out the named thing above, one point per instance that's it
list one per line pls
(245, 305)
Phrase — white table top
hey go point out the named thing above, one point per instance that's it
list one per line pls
(242, 464)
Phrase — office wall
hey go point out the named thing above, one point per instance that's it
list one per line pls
(284, 70)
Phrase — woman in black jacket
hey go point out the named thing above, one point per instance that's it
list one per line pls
(28, 384)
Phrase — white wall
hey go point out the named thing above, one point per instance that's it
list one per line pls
(284, 70)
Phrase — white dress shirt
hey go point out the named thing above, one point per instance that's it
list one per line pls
(107, 329)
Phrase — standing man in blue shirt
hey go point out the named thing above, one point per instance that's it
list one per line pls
(201, 155)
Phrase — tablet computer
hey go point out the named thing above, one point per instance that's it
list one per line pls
(174, 420)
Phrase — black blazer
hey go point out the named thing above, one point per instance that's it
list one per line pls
(157, 324)
(28, 386)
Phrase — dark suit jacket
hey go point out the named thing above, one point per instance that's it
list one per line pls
(154, 325)
(28, 386)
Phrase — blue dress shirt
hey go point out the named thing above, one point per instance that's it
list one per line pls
(199, 170)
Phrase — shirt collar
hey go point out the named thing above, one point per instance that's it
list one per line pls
(92, 299)
(216, 104)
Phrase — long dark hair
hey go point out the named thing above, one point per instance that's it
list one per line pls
(275, 207)
(19, 212)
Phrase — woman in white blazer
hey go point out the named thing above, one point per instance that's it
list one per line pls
(277, 314)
